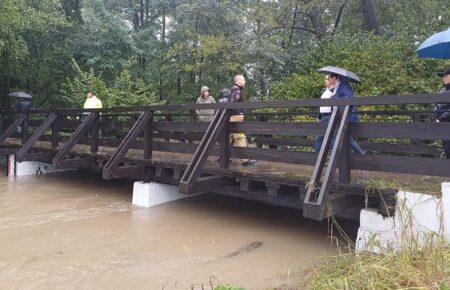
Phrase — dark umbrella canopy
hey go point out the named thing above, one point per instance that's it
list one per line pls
(342, 72)
(436, 46)
(21, 95)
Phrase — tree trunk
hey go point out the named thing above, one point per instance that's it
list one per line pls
(369, 11)
(5, 99)
(141, 12)
(163, 43)
(317, 22)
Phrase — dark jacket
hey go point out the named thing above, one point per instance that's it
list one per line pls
(442, 111)
(24, 106)
(236, 96)
(344, 90)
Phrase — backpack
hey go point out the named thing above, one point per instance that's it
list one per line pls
(224, 96)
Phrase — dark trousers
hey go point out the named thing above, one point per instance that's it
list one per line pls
(446, 144)
(446, 148)
(325, 118)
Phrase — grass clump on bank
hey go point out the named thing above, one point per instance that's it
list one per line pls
(413, 267)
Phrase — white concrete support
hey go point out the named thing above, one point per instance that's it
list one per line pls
(418, 218)
(446, 207)
(153, 193)
(26, 168)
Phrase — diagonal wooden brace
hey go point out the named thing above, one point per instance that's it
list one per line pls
(314, 207)
(52, 117)
(10, 130)
(143, 122)
(59, 158)
(193, 171)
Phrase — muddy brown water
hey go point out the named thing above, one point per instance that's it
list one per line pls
(77, 231)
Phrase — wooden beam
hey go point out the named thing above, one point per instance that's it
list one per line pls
(117, 157)
(205, 184)
(45, 157)
(319, 203)
(79, 132)
(211, 135)
(321, 159)
(148, 139)
(7, 151)
(12, 128)
(35, 137)
(76, 163)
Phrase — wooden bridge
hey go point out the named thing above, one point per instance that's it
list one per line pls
(164, 143)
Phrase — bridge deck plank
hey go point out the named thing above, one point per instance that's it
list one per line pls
(286, 174)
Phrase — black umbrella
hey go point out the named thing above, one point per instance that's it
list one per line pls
(342, 72)
(21, 95)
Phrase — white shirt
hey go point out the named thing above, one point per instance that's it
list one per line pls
(327, 94)
(92, 103)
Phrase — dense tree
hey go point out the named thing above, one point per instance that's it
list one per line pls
(58, 50)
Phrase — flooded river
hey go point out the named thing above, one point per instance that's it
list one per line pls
(77, 231)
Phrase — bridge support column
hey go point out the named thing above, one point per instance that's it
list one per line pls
(153, 193)
(25, 168)
(446, 208)
(417, 219)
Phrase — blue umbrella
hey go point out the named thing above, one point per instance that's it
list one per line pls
(436, 46)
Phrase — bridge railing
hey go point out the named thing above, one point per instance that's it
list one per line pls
(286, 134)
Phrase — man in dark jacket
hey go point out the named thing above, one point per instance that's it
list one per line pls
(442, 111)
(341, 88)
(239, 139)
(23, 106)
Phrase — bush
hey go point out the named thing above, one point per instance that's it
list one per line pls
(124, 92)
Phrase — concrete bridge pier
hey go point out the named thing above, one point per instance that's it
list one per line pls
(148, 194)
(418, 218)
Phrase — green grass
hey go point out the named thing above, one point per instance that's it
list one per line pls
(415, 265)
(411, 268)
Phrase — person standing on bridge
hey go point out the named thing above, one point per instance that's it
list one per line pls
(442, 111)
(205, 98)
(92, 102)
(337, 87)
(236, 95)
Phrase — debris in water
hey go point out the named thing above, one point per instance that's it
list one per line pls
(250, 247)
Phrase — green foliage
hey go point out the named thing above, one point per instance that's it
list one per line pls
(386, 65)
(298, 87)
(175, 47)
(125, 92)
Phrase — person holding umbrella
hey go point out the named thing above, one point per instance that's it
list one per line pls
(442, 111)
(338, 86)
(23, 106)
(437, 46)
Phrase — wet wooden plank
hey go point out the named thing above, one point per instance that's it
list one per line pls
(419, 131)
(402, 164)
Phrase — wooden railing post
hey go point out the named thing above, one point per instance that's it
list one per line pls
(148, 139)
(345, 175)
(56, 127)
(25, 129)
(94, 134)
(224, 152)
